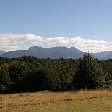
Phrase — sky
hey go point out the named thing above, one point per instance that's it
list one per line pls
(84, 24)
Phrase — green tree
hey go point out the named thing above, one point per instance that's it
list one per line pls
(90, 74)
(4, 79)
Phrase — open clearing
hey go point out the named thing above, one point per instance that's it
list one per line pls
(80, 101)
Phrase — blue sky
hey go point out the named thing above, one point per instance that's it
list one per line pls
(88, 19)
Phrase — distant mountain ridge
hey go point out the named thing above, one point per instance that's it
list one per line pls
(104, 55)
(1, 52)
(39, 52)
(54, 53)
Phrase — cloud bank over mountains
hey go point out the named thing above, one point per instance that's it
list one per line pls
(11, 42)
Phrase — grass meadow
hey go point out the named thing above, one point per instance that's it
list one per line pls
(80, 101)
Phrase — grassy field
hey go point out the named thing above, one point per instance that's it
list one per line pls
(81, 101)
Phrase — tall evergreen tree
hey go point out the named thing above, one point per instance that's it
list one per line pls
(90, 74)
(4, 79)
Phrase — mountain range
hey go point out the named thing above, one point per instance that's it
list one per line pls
(104, 55)
(54, 53)
(1, 52)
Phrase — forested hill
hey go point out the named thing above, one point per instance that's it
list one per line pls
(33, 74)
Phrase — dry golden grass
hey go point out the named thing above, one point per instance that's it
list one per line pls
(81, 101)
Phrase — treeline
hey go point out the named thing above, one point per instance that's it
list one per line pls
(33, 74)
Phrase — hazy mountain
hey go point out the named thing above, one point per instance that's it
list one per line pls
(1, 52)
(103, 55)
(54, 53)
(15, 54)
(39, 52)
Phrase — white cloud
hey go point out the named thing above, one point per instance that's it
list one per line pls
(9, 42)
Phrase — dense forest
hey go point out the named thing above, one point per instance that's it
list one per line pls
(32, 74)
